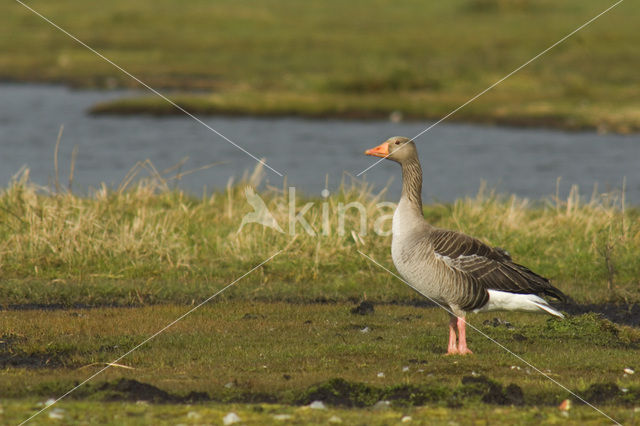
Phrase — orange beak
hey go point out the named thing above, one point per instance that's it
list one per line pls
(381, 150)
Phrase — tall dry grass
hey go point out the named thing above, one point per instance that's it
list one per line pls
(169, 243)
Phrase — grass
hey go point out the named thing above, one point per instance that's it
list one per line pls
(246, 352)
(144, 243)
(346, 59)
(124, 262)
(117, 413)
(285, 334)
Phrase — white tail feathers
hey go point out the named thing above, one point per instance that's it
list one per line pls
(505, 301)
(549, 309)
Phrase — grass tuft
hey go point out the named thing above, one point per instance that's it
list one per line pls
(144, 243)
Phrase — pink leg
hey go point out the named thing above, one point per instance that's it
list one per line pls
(453, 327)
(462, 337)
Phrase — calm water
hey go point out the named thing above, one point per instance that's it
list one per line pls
(456, 157)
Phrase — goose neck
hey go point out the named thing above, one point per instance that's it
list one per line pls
(412, 185)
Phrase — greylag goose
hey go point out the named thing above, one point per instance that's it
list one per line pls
(451, 268)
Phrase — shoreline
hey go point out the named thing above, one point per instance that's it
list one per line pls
(320, 106)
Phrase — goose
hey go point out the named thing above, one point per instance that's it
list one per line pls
(451, 268)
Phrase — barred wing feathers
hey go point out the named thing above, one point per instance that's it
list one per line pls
(481, 268)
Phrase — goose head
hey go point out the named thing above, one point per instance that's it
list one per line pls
(397, 148)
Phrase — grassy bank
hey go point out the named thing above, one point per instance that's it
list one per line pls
(279, 353)
(143, 243)
(348, 59)
(504, 109)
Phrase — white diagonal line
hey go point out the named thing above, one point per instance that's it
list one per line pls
(496, 342)
(150, 88)
(115, 361)
(502, 79)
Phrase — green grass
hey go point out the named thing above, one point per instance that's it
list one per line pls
(119, 413)
(284, 335)
(249, 352)
(145, 244)
(348, 59)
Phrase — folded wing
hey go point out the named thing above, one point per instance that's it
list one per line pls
(479, 268)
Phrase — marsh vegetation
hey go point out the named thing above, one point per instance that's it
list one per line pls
(145, 243)
(86, 278)
(345, 59)
(291, 354)
(288, 333)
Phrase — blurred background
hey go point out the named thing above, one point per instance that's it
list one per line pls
(309, 86)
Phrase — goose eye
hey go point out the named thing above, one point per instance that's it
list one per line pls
(397, 142)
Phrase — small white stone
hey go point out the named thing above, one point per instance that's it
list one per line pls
(381, 374)
(629, 370)
(317, 405)
(56, 414)
(624, 390)
(282, 417)
(381, 405)
(474, 374)
(229, 385)
(335, 419)
(406, 419)
(230, 419)
(405, 369)
(365, 330)
(49, 402)
(194, 415)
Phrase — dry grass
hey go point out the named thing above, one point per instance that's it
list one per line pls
(164, 244)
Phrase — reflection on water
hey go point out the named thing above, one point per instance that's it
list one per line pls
(455, 157)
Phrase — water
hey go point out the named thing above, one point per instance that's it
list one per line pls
(455, 157)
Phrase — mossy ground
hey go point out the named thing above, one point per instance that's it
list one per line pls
(292, 354)
(85, 279)
(347, 59)
(127, 413)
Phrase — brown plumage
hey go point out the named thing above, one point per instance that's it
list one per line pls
(453, 268)
(487, 268)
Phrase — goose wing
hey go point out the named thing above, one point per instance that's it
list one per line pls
(480, 267)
